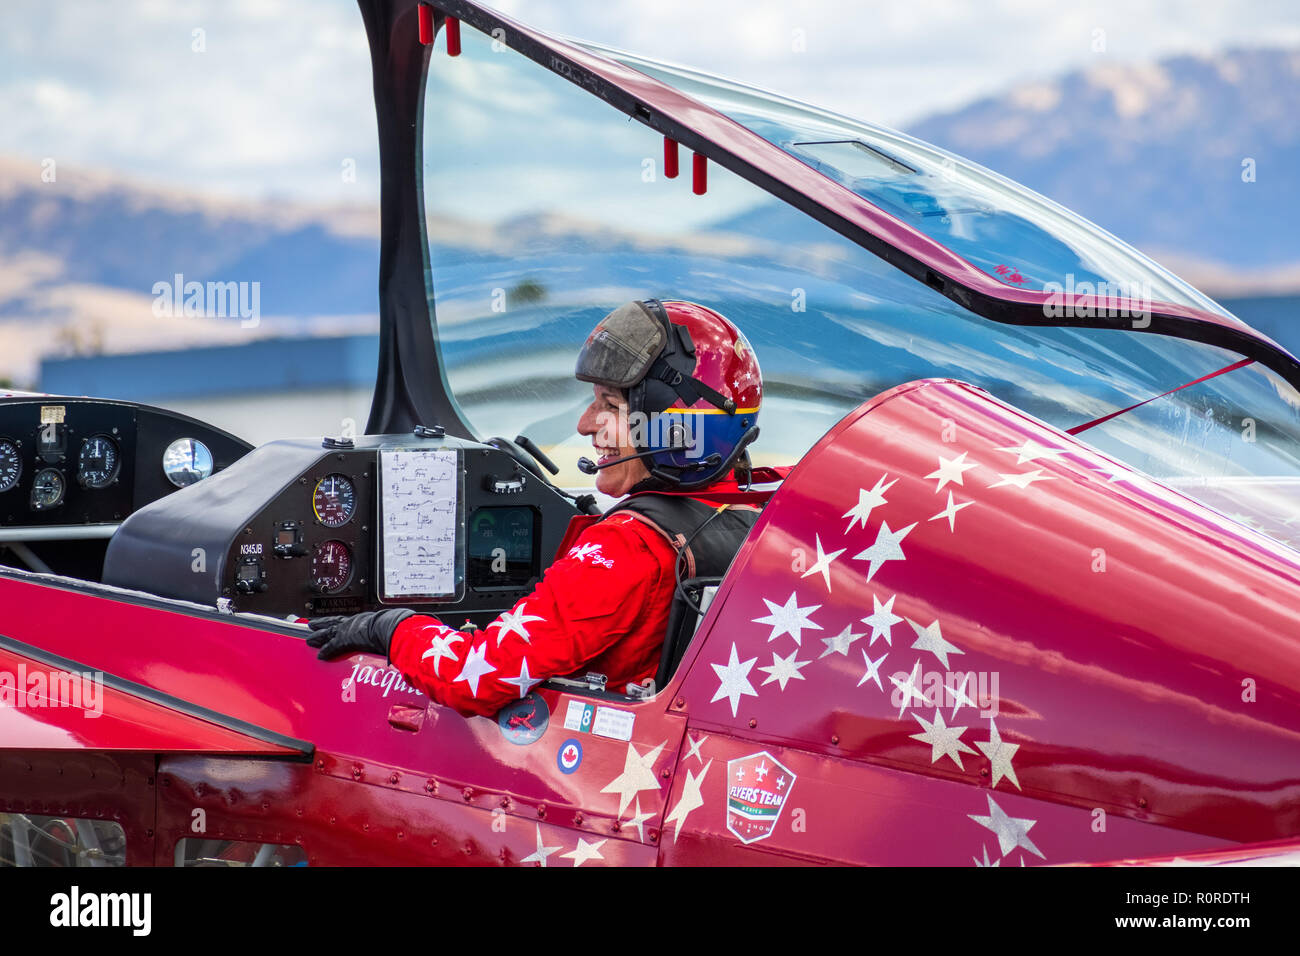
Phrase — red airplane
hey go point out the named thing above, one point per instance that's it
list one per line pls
(1029, 594)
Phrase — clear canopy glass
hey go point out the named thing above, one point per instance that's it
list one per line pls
(547, 209)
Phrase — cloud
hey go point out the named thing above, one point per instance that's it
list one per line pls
(280, 95)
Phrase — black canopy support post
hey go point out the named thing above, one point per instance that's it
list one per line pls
(411, 385)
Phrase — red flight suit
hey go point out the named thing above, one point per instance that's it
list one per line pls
(602, 607)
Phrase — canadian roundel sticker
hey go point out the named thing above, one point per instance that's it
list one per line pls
(569, 757)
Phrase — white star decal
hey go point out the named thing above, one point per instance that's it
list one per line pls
(638, 820)
(950, 469)
(525, 681)
(475, 667)
(873, 670)
(690, 800)
(886, 548)
(695, 746)
(950, 512)
(986, 859)
(823, 563)
(999, 753)
(909, 687)
(440, 647)
(1032, 451)
(789, 618)
(542, 851)
(930, 639)
(959, 694)
(882, 620)
(638, 774)
(784, 669)
(1022, 481)
(944, 741)
(514, 622)
(867, 500)
(584, 851)
(839, 644)
(734, 676)
(1011, 831)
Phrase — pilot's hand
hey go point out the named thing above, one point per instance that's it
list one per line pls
(369, 632)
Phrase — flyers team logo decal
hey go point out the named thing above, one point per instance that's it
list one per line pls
(524, 721)
(757, 788)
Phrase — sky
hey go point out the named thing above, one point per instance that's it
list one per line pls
(256, 98)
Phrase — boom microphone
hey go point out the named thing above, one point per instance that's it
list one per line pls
(589, 467)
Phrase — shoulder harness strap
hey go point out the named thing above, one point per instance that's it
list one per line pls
(678, 518)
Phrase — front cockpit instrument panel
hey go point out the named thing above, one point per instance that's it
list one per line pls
(79, 462)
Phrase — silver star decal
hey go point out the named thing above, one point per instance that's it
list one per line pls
(440, 647)
(986, 859)
(1010, 831)
(882, 620)
(867, 500)
(1032, 451)
(525, 681)
(695, 745)
(784, 669)
(474, 668)
(910, 688)
(930, 639)
(873, 670)
(542, 851)
(958, 694)
(734, 676)
(789, 618)
(514, 622)
(690, 800)
(823, 563)
(638, 774)
(999, 753)
(638, 820)
(950, 469)
(950, 512)
(944, 741)
(1022, 481)
(886, 548)
(584, 851)
(839, 644)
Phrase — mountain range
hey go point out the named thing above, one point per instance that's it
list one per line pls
(1194, 160)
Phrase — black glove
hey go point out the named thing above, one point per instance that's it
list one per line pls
(369, 632)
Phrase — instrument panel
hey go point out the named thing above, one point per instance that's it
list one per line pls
(305, 528)
(79, 461)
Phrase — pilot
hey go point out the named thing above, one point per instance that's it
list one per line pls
(676, 394)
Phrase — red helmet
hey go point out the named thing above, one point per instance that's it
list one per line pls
(693, 383)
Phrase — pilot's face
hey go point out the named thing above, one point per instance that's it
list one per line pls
(605, 420)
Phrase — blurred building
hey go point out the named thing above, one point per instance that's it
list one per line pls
(266, 389)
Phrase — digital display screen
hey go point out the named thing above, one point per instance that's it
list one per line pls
(285, 537)
(502, 547)
(251, 572)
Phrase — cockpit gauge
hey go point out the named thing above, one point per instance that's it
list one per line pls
(48, 488)
(11, 465)
(331, 567)
(98, 463)
(334, 501)
(186, 461)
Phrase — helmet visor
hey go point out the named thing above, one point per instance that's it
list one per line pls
(621, 349)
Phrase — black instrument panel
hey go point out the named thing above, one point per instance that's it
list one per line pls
(292, 530)
(80, 461)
